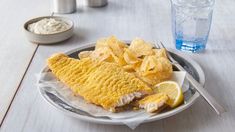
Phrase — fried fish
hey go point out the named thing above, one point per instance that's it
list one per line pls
(101, 83)
(154, 102)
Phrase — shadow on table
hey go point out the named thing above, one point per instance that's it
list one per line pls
(78, 37)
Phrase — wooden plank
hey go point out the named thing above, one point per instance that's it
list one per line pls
(15, 50)
(127, 19)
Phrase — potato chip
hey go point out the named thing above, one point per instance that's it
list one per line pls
(129, 68)
(151, 80)
(102, 54)
(101, 43)
(163, 65)
(113, 43)
(84, 54)
(160, 53)
(116, 45)
(150, 65)
(154, 78)
(140, 47)
(130, 57)
(154, 70)
(119, 60)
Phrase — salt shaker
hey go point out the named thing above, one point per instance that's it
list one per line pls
(96, 3)
(63, 6)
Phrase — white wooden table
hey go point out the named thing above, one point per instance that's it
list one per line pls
(23, 109)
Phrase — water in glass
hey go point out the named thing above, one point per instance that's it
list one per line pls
(191, 22)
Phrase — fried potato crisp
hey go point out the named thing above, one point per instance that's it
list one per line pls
(141, 48)
(150, 65)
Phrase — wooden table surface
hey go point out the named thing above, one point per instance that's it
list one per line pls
(23, 109)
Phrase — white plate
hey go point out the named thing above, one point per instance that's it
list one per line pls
(190, 95)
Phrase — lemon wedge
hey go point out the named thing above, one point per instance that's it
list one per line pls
(173, 90)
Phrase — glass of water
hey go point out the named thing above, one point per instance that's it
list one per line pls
(191, 22)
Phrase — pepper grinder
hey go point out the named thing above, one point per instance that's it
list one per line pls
(96, 3)
(63, 6)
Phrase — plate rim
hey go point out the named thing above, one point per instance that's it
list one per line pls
(116, 122)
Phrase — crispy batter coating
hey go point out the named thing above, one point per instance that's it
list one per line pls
(102, 83)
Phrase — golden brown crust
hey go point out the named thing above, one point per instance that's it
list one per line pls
(101, 83)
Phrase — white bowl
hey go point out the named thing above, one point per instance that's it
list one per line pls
(48, 38)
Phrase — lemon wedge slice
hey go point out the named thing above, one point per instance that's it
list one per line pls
(173, 90)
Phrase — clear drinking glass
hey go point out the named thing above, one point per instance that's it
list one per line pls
(191, 22)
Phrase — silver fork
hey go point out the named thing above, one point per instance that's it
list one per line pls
(209, 99)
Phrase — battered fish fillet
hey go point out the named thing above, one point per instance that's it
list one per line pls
(152, 103)
(102, 83)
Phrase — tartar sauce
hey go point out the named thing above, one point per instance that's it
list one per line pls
(48, 26)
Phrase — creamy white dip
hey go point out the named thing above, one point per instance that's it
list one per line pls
(48, 26)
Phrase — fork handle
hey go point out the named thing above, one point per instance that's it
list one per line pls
(209, 99)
